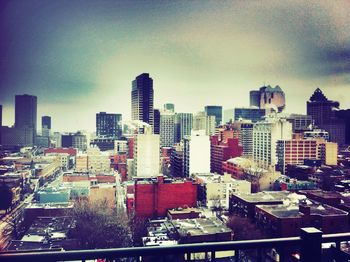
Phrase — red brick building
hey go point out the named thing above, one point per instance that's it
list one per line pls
(153, 197)
(295, 151)
(71, 151)
(222, 150)
(117, 159)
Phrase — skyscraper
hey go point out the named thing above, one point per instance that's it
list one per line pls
(183, 125)
(254, 98)
(167, 129)
(26, 112)
(320, 108)
(45, 126)
(215, 111)
(268, 97)
(323, 112)
(265, 136)
(142, 99)
(156, 125)
(108, 125)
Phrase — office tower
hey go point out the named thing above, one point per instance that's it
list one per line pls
(156, 126)
(254, 98)
(196, 153)
(169, 107)
(294, 152)
(265, 136)
(320, 108)
(183, 125)
(79, 141)
(214, 111)
(142, 99)
(26, 112)
(272, 97)
(253, 114)
(57, 138)
(146, 154)
(177, 160)
(268, 97)
(344, 115)
(167, 129)
(66, 140)
(108, 125)
(323, 112)
(246, 139)
(16, 136)
(300, 123)
(201, 121)
(46, 126)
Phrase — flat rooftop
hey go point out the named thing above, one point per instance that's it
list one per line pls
(200, 226)
(292, 210)
(265, 196)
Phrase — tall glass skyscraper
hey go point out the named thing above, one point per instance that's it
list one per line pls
(215, 111)
(142, 99)
(26, 112)
(46, 126)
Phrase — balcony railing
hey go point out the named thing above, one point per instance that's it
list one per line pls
(309, 245)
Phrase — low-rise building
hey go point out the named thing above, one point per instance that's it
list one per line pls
(285, 220)
(153, 197)
(216, 189)
(244, 204)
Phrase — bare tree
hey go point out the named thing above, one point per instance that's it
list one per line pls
(100, 226)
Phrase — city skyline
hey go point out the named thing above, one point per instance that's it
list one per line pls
(83, 58)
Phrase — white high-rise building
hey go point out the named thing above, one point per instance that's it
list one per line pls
(265, 136)
(167, 129)
(146, 154)
(196, 153)
(201, 121)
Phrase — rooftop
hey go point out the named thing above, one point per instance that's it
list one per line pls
(200, 226)
(292, 210)
(265, 196)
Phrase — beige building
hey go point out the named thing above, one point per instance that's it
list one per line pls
(331, 153)
(93, 161)
(103, 192)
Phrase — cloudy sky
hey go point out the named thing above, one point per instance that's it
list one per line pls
(79, 57)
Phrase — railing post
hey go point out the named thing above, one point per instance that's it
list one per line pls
(311, 244)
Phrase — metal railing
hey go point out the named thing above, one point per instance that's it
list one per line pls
(309, 243)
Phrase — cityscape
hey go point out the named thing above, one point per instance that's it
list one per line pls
(257, 171)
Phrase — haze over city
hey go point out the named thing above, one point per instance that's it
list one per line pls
(80, 57)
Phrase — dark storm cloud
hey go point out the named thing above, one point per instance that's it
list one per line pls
(87, 52)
